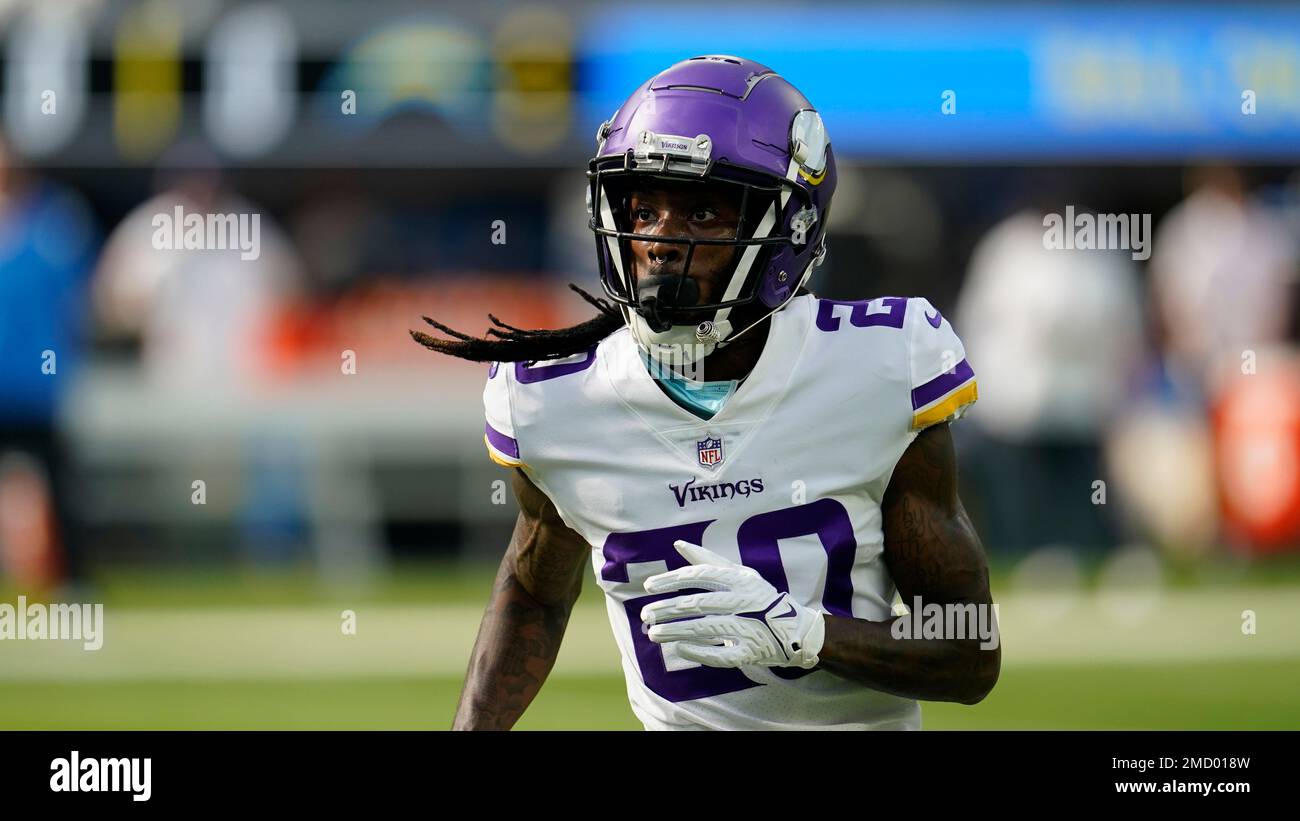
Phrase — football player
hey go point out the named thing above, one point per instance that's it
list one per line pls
(752, 472)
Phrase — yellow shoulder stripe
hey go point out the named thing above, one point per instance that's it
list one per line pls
(937, 413)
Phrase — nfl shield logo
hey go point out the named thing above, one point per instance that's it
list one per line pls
(710, 451)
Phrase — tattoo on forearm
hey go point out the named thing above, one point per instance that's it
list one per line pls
(536, 586)
(932, 551)
(516, 648)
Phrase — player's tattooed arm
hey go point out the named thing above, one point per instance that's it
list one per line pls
(536, 586)
(932, 552)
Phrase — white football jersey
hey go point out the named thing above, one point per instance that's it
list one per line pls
(787, 478)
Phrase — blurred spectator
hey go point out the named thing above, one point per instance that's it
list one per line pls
(47, 245)
(1049, 379)
(205, 315)
(1221, 277)
(1161, 456)
(1221, 274)
(200, 313)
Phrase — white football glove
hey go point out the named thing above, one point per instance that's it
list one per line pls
(755, 622)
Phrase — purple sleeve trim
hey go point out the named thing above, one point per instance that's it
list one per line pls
(502, 442)
(940, 385)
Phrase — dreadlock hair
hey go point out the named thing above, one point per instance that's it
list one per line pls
(522, 345)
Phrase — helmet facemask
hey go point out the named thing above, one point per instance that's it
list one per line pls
(665, 312)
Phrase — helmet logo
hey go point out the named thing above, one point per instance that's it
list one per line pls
(808, 145)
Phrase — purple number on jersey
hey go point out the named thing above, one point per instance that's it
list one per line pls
(758, 540)
(858, 317)
(526, 372)
(622, 549)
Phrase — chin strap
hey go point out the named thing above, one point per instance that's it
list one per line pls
(727, 340)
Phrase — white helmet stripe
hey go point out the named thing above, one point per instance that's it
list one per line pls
(607, 221)
(765, 227)
(746, 262)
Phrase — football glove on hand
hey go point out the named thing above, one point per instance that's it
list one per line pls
(755, 622)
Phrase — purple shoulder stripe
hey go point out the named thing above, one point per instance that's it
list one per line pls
(940, 385)
(526, 373)
(501, 442)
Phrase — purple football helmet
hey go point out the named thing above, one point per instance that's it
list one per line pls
(722, 121)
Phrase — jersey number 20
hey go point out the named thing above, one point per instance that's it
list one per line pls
(758, 539)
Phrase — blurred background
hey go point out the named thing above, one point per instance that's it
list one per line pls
(230, 453)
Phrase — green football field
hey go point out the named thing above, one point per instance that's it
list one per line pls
(217, 652)
(1257, 695)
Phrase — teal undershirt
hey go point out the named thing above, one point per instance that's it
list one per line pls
(704, 399)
